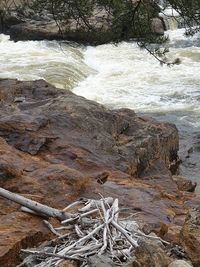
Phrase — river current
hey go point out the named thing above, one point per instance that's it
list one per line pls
(121, 76)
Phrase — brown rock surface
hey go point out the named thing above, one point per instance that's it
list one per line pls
(173, 234)
(151, 254)
(184, 184)
(190, 236)
(56, 146)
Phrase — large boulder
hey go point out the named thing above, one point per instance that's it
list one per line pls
(56, 146)
(158, 26)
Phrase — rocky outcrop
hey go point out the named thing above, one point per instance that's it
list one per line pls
(190, 236)
(56, 146)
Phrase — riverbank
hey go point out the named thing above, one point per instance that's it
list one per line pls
(57, 147)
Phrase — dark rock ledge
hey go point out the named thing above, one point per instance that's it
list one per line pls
(56, 147)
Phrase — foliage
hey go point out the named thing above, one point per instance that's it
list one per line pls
(115, 20)
(120, 19)
(189, 11)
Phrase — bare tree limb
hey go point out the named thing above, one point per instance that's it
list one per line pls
(33, 205)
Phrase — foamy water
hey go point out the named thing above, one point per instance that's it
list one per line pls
(121, 76)
(129, 77)
(58, 63)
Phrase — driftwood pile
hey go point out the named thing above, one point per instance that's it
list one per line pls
(93, 227)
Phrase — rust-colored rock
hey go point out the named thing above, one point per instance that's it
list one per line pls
(190, 236)
(18, 230)
(173, 234)
(56, 146)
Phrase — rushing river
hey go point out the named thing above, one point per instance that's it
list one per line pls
(121, 76)
(60, 64)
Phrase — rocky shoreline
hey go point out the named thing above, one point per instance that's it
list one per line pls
(56, 147)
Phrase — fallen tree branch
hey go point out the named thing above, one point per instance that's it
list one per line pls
(33, 205)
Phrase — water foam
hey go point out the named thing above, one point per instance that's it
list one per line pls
(58, 63)
(129, 77)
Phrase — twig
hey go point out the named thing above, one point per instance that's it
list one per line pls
(64, 251)
(52, 229)
(124, 232)
(47, 254)
(73, 205)
(91, 203)
(79, 216)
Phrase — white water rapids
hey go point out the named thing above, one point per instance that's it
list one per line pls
(59, 64)
(121, 76)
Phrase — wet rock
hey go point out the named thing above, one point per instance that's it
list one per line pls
(56, 147)
(133, 141)
(12, 19)
(190, 236)
(180, 263)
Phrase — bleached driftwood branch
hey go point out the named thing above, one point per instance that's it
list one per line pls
(102, 234)
(95, 228)
(33, 205)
